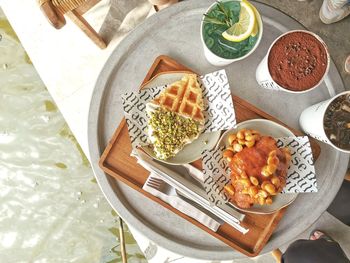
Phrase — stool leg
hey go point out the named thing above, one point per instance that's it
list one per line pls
(87, 29)
(55, 18)
(277, 254)
(122, 241)
(165, 5)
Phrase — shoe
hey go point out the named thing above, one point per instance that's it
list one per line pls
(331, 12)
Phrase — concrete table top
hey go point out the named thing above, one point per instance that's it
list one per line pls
(124, 71)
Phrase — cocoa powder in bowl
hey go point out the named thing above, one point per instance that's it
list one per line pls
(297, 61)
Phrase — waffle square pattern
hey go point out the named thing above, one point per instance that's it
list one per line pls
(183, 97)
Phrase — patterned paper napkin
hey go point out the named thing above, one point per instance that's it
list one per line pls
(301, 177)
(218, 107)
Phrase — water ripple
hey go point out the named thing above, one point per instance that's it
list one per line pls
(50, 208)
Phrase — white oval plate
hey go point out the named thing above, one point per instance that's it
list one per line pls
(265, 127)
(193, 151)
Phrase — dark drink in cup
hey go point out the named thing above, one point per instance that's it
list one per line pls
(337, 122)
(329, 121)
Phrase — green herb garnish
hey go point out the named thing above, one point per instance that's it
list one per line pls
(224, 16)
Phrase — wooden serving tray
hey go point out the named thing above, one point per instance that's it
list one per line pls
(117, 162)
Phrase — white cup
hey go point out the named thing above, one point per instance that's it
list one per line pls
(264, 78)
(219, 61)
(311, 121)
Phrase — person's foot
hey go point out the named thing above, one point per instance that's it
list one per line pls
(333, 11)
(317, 234)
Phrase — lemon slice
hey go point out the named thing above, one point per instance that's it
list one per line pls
(244, 27)
(256, 25)
(255, 29)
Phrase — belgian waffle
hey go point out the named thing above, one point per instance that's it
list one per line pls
(183, 97)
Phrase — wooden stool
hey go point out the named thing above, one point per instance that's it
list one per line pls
(74, 9)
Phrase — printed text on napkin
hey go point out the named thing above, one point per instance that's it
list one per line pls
(301, 177)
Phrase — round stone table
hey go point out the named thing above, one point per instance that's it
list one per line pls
(176, 32)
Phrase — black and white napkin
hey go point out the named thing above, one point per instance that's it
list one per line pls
(301, 177)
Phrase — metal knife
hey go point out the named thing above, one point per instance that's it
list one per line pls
(198, 195)
(159, 188)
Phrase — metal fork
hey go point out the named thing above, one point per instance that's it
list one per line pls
(172, 195)
(168, 194)
(163, 187)
(196, 194)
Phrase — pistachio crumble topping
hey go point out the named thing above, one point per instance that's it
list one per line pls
(171, 132)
